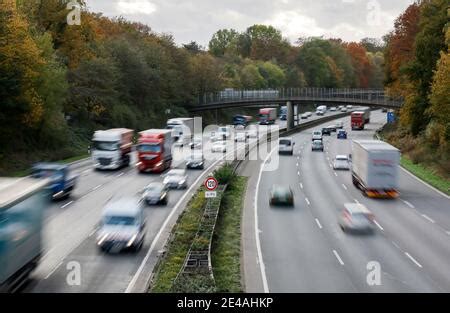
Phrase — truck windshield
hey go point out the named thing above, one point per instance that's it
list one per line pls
(106, 145)
(120, 220)
(152, 148)
(264, 116)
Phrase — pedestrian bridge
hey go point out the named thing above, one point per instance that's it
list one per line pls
(231, 98)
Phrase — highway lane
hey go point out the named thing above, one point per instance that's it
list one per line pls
(70, 225)
(321, 191)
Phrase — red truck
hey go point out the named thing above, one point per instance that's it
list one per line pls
(358, 120)
(267, 116)
(154, 150)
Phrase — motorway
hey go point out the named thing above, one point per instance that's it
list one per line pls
(70, 232)
(302, 249)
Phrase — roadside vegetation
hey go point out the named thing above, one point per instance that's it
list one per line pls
(59, 83)
(417, 67)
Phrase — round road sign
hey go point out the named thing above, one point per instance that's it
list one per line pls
(211, 184)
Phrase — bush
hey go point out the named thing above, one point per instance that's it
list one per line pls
(225, 174)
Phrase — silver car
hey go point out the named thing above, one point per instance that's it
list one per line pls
(286, 146)
(357, 218)
(219, 146)
(341, 162)
(176, 179)
(122, 226)
(156, 193)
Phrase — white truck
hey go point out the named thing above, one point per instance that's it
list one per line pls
(182, 130)
(375, 168)
(111, 149)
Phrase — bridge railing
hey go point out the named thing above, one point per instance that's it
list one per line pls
(369, 96)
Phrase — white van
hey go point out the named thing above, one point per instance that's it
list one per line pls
(317, 135)
(286, 146)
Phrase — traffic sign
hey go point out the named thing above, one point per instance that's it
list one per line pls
(210, 194)
(211, 184)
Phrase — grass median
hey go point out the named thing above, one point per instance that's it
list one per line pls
(226, 245)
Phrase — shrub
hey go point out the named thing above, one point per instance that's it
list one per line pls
(224, 174)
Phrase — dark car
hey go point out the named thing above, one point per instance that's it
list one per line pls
(281, 195)
(156, 193)
(332, 128)
(341, 134)
(384, 110)
(195, 161)
(326, 131)
(317, 145)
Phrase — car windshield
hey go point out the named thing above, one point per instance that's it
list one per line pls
(152, 148)
(175, 173)
(120, 220)
(106, 145)
(359, 217)
(341, 158)
(285, 142)
(317, 143)
(318, 133)
(155, 188)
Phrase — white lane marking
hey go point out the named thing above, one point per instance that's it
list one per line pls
(412, 259)
(428, 218)
(345, 187)
(96, 187)
(396, 245)
(307, 201)
(296, 164)
(318, 223)
(298, 173)
(335, 174)
(301, 185)
(338, 257)
(121, 174)
(356, 201)
(378, 225)
(86, 171)
(425, 183)
(163, 227)
(54, 270)
(408, 204)
(448, 233)
(258, 239)
(92, 232)
(66, 205)
(331, 166)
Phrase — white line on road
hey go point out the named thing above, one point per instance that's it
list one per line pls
(307, 201)
(428, 218)
(356, 201)
(335, 174)
(378, 225)
(408, 204)
(338, 257)
(95, 188)
(448, 233)
(345, 187)
(54, 270)
(412, 259)
(301, 185)
(298, 173)
(396, 245)
(318, 223)
(121, 174)
(428, 185)
(92, 232)
(66, 205)
(296, 165)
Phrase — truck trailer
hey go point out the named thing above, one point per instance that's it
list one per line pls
(22, 202)
(375, 168)
(182, 130)
(154, 150)
(111, 149)
(358, 121)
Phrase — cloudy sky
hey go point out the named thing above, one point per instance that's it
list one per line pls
(197, 20)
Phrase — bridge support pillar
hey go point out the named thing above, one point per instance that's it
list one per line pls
(298, 113)
(290, 116)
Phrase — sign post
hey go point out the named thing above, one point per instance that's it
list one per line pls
(211, 185)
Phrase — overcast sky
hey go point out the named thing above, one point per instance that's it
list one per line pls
(197, 20)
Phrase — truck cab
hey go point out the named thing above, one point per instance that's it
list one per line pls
(62, 180)
(154, 150)
(358, 120)
(111, 148)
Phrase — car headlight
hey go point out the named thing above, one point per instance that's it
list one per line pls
(131, 241)
(102, 239)
(159, 164)
(163, 196)
(182, 182)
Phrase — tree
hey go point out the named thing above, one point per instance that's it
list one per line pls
(251, 78)
(193, 47)
(222, 41)
(372, 45)
(272, 74)
(265, 43)
(361, 63)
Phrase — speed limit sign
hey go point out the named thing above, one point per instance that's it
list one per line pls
(211, 184)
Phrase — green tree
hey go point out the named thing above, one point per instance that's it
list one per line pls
(272, 74)
(222, 41)
(251, 78)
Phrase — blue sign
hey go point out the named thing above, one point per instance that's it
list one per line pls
(391, 117)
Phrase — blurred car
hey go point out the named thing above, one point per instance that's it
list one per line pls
(240, 137)
(176, 179)
(197, 143)
(122, 227)
(340, 107)
(219, 146)
(332, 128)
(309, 114)
(317, 135)
(62, 179)
(339, 124)
(356, 217)
(349, 107)
(341, 134)
(384, 110)
(344, 110)
(317, 145)
(320, 113)
(252, 133)
(195, 161)
(326, 131)
(156, 193)
(333, 109)
(341, 162)
(304, 116)
(281, 195)
(286, 146)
